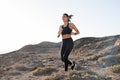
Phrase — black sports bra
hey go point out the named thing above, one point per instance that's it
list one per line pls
(66, 30)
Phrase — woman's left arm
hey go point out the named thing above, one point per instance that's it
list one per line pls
(74, 28)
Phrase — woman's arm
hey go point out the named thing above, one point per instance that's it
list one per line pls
(72, 26)
(60, 31)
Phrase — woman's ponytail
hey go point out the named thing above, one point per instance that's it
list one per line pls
(69, 16)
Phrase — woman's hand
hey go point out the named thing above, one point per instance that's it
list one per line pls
(60, 31)
(58, 36)
(73, 33)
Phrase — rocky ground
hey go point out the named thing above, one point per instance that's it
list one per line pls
(96, 59)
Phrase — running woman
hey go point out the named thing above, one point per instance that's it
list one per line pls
(67, 42)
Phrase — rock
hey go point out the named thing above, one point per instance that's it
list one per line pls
(22, 68)
(15, 73)
(117, 43)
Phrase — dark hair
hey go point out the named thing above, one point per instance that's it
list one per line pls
(69, 16)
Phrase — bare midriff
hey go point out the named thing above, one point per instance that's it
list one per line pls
(65, 36)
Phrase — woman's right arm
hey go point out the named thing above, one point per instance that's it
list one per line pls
(60, 31)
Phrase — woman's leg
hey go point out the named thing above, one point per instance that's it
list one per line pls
(67, 61)
(68, 48)
(65, 51)
(62, 53)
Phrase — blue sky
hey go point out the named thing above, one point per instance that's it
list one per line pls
(25, 22)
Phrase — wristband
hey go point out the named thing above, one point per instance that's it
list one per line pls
(75, 33)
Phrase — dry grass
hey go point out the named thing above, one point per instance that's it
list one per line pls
(43, 71)
(76, 75)
(85, 75)
(93, 57)
(109, 60)
(115, 68)
(101, 59)
(70, 75)
(60, 75)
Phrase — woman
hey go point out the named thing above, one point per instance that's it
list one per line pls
(67, 43)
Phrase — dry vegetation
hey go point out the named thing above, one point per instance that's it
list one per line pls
(115, 68)
(96, 59)
(43, 71)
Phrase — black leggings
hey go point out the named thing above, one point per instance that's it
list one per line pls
(67, 46)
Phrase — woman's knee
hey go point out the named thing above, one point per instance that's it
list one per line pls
(62, 59)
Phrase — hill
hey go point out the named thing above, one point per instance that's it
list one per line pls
(96, 59)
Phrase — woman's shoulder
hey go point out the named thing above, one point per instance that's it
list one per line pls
(61, 26)
(71, 24)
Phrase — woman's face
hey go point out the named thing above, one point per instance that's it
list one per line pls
(65, 18)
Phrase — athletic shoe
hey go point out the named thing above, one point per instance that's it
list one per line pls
(73, 65)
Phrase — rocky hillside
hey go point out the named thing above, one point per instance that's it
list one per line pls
(96, 59)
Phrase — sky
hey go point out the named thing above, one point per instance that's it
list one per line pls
(24, 22)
